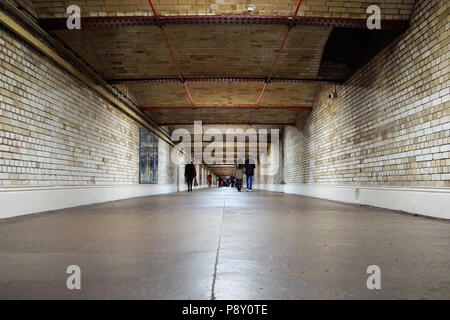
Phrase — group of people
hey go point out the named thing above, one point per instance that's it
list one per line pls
(235, 181)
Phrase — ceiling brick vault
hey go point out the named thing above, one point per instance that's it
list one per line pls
(222, 61)
(217, 115)
(349, 8)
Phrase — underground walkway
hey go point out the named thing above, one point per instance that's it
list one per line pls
(222, 244)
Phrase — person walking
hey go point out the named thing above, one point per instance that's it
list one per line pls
(189, 174)
(239, 175)
(209, 178)
(249, 172)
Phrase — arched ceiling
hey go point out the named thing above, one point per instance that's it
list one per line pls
(242, 61)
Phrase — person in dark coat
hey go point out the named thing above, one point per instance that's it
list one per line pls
(189, 174)
(209, 178)
(239, 175)
(249, 173)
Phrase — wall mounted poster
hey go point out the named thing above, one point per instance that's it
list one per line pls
(148, 157)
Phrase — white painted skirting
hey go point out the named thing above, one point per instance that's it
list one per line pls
(424, 201)
(21, 201)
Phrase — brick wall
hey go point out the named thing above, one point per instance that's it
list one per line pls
(54, 131)
(269, 171)
(25, 5)
(167, 170)
(392, 9)
(390, 123)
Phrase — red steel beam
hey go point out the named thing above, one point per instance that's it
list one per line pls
(272, 69)
(277, 56)
(176, 79)
(175, 63)
(262, 93)
(153, 8)
(99, 22)
(188, 93)
(230, 123)
(283, 43)
(226, 79)
(297, 7)
(172, 55)
(304, 108)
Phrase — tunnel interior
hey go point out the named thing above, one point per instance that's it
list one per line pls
(224, 149)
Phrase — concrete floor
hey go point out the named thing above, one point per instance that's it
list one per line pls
(225, 244)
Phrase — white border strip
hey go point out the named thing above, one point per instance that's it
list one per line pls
(21, 201)
(430, 202)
